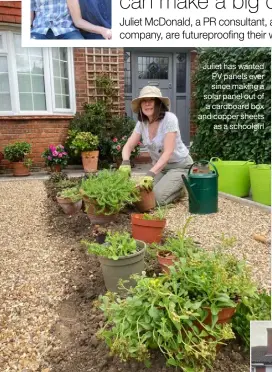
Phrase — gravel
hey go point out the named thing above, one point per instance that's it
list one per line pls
(47, 283)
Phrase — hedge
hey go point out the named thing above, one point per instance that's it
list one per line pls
(223, 142)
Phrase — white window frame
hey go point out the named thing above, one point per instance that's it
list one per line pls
(9, 51)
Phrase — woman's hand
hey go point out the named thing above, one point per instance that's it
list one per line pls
(106, 33)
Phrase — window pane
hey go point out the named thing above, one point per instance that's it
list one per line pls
(3, 64)
(1, 42)
(26, 101)
(36, 64)
(24, 82)
(181, 72)
(57, 85)
(39, 101)
(5, 102)
(153, 68)
(66, 102)
(61, 82)
(64, 69)
(56, 68)
(38, 84)
(63, 54)
(30, 77)
(55, 53)
(58, 101)
(4, 83)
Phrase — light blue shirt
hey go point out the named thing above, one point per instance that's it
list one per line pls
(52, 14)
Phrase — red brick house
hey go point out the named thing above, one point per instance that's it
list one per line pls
(42, 88)
(261, 356)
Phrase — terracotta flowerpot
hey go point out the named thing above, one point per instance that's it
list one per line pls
(20, 170)
(224, 316)
(55, 168)
(146, 202)
(149, 231)
(99, 219)
(68, 206)
(166, 259)
(90, 161)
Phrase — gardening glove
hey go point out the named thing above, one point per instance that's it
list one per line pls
(125, 168)
(147, 181)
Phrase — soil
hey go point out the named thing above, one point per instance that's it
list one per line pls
(79, 350)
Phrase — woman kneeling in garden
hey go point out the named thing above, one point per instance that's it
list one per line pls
(160, 133)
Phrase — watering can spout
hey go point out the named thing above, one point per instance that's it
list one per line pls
(190, 192)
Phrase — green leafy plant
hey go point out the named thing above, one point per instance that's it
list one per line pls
(116, 245)
(56, 177)
(170, 312)
(71, 193)
(17, 151)
(109, 191)
(28, 162)
(216, 137)
(158, 214)
(84, 141)
(257, 307)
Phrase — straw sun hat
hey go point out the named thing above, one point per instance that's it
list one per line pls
(149, 92)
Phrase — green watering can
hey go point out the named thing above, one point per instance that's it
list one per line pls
(202, 189)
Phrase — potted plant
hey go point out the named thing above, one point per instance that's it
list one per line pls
(117, 147)
(86, 144)
(120, 257)
(149, 227)
(174, 248)
(171, 312)
(106, 194)
(70, 200)
(17, 154)
(55, 157)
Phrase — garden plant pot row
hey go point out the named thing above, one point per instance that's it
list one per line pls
(238, 177)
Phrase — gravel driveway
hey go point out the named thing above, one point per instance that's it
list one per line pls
(37, 262)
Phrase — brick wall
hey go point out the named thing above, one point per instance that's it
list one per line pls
(91, 63)
(10, 12)
(40, 131)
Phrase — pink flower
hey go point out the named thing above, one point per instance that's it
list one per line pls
(118, 147)
(139, 143)
(55, 153)
(52, 148)
(64, 153)
(61, 147)
(115, 139)
(60, 155)
(49, 157)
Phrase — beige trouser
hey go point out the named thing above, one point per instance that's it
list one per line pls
(168, 183)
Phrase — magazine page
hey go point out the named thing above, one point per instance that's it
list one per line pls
(135, 185)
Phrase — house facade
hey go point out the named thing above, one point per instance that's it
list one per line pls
(261, 356)
(41, 89)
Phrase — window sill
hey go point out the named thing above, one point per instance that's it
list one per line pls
(37, 117)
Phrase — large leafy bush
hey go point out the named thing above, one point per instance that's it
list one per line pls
(231, 144)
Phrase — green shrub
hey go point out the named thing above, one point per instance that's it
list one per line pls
(109, 191)
(17, 151)
(71, 193)
(257, 307)
(230, 144)
(84, 141)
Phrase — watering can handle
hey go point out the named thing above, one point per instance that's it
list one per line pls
(203, 161)
(215, 158)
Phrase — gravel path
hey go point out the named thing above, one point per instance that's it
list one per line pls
(36, 264)
(30, 277)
